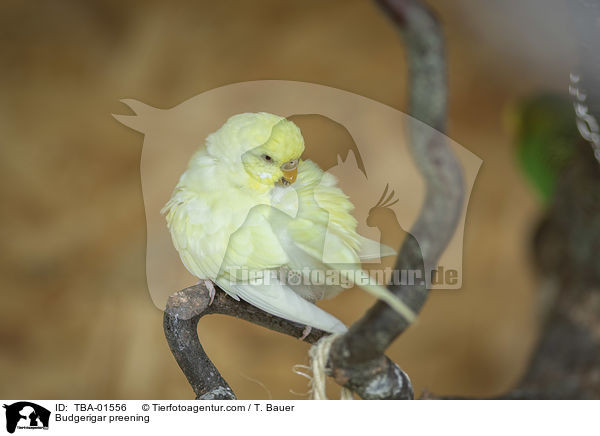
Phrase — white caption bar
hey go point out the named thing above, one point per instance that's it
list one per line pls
(23, 417)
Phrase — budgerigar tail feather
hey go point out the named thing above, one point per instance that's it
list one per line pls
(355, 274)
(363, 280)
(279, 300)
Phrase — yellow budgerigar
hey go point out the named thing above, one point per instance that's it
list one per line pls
(267, 227)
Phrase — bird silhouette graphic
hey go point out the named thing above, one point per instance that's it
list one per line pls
(347, 135)
(384, 218)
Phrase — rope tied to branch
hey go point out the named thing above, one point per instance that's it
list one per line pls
(319, 355)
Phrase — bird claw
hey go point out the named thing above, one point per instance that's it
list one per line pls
(305, 332)
(211, 289)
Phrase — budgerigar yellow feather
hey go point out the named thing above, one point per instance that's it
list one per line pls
(248, 206)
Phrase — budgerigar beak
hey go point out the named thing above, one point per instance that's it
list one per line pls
(290, 172)
(290, 176)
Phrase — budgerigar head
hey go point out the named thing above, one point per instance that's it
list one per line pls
(267, 147)
(276, 161)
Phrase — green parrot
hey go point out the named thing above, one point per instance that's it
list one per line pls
(545, 132)
(560, 164)
(565, 245)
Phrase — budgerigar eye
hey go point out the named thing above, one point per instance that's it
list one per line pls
(267, 158)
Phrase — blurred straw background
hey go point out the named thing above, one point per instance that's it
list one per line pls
(76, 319)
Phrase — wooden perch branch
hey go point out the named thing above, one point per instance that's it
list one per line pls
(363, 346)
(184, 310)
(357, 358)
